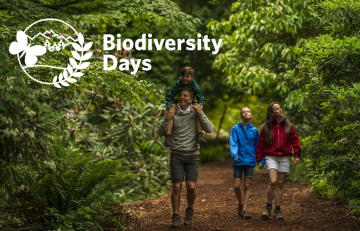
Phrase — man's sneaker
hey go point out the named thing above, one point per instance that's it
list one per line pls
(200, 138)
(240, 209)
(277, 214)
(244, 214)
(189, 216)
(168, 140)
(175, 222)
(267, 213)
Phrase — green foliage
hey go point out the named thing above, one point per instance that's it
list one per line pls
(83, 218)
(153, 173)
(213, 153)
(260, 49)
(71, 185)
(25, 123)
(166, 65)
(301, 171)
(329, 75)
(63, 184)
(114, 12)
(305, 55)
(131, 133)
(233, 112)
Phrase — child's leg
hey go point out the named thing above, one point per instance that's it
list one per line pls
(238, 190)
(171, 123)
(199, 135)
(246, 191)
(198, 124)
(238, 170)
(168, 138)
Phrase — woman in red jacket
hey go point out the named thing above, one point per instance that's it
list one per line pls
(277, 139)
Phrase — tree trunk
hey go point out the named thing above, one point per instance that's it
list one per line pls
(222, 119)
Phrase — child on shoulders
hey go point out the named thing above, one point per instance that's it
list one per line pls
(187, 76)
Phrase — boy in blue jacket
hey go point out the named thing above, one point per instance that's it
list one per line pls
(243, 141)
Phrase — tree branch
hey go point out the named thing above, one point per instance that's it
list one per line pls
(64, 4)
(55, 5)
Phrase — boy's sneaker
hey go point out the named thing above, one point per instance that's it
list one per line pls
(175, 221)
(267, 213)
(244, 214)
(189, 216)
(240, 209)
(200, 138)
(277, 214)
(168, 140)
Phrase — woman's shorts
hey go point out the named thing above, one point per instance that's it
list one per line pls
(282, 164)
(246, 169)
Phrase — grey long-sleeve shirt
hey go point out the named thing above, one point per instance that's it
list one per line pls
(184, 131)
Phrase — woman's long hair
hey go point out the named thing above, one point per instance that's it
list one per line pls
(267, 126)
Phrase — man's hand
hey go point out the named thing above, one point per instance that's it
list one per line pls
(198, 107)
(236, 160)
(169, 114)
(193, 111)
(297, 160)
(260, 166)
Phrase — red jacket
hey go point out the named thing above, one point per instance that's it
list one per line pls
(281, 144)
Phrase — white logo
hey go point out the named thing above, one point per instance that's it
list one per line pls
(21, 48)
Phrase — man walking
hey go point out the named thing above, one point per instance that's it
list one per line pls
(184, 159)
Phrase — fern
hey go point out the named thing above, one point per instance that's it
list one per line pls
(73, 187)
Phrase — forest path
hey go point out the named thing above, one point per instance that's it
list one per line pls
(215, 206)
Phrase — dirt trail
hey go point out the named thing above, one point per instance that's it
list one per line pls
(215, 206)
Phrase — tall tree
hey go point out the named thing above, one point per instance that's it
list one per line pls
(259, 39)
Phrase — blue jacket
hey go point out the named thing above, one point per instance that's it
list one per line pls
(243, 143)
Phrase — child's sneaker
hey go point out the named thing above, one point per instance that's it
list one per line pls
(168, 140)
(200, 138)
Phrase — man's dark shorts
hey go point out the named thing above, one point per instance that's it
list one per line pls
(182, 164)
(246, 169)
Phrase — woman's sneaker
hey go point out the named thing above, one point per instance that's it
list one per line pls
(240, 209)
(175, 221)
(168, 140)
(267, 213)
(277, 214)
(245, 215)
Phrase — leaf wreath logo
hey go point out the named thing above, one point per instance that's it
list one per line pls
(21, 48)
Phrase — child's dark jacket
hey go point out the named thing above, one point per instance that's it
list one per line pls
(243, 144)
(173, 93)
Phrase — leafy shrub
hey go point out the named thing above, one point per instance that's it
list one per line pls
(301, 171)
(213, 153)
(65, 192)
(131, 134)
(152, 178)
(330, 91)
